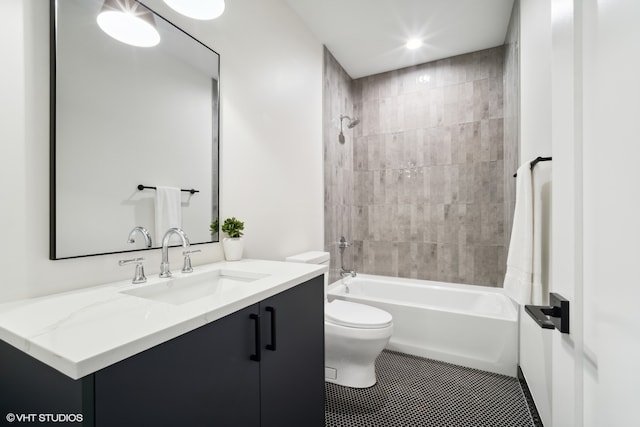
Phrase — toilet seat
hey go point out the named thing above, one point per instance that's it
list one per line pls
(354, 315)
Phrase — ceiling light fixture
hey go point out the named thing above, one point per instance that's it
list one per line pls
(197, 9)
(414, 44)
(128, 22)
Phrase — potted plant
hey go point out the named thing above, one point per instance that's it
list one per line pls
(233, 245)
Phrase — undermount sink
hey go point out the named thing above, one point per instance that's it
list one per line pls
(182, 289)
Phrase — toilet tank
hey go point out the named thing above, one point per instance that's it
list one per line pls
(313, 257)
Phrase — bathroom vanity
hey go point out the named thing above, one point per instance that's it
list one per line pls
(246, 351)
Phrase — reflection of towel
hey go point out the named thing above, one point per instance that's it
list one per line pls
(168, 210)
(517, 280)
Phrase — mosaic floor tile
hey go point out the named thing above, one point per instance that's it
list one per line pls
(413, 391)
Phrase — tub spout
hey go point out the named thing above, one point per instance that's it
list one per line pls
(344, 273)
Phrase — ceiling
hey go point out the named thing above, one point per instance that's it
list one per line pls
(369, 36)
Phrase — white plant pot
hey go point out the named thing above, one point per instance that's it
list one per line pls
(233, 248)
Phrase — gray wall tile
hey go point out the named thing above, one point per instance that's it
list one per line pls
(511, 111)
(429, 190)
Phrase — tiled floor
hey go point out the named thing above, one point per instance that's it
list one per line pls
(412, 391)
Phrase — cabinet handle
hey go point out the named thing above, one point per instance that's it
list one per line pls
(256, 357)
(272, 346)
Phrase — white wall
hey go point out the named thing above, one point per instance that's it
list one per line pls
(535, 79)
(271, 149)
(535, 140)
(271, 146)
(567, 220)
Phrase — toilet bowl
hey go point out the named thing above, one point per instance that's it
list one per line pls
(355, 334)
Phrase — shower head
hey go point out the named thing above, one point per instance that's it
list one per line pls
(350, 125)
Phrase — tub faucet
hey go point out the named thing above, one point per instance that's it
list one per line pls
(145, 234)
(164, 265)
(342, 245)
(344, 273)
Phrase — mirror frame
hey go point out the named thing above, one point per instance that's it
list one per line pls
(215, 177)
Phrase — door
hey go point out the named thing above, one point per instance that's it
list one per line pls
(611, 294)
(292, 367)
(596, 211)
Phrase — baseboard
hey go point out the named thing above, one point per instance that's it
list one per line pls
(537, 421)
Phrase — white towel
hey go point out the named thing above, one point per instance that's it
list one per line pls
(168, 210)
(541, 178)
(517, 280)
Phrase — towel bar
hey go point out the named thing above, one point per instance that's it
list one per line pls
(535, 161)
(142, 187)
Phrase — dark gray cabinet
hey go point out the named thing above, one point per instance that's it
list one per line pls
(260, 366)
(292, 373)
(199, 378)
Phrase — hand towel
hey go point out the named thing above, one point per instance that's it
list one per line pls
(517, 280)
(168, 210)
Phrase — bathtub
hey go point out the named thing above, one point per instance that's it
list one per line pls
(466, 325)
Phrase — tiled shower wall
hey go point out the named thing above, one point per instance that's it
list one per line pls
(338, 161)
(428, 177)
(511, 90)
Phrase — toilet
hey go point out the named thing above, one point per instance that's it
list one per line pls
(354, 334)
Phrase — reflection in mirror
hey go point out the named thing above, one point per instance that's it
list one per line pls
(124, 116)
(129, 22)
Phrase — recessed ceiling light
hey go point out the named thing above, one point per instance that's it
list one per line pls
(414, 44)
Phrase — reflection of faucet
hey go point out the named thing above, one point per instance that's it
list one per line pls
(145, 234)
(164, 265)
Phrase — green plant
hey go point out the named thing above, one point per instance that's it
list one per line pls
(233, 227)
(215, 226)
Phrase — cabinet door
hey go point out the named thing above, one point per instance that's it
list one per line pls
(29, 388)
(292, 371)
(202, 378)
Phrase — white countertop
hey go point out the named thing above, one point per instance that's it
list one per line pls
(83, 331)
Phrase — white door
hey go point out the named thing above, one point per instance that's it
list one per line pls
(596, 211)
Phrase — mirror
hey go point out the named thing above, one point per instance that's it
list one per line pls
(124, 116)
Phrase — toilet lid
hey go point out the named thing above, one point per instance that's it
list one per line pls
(355, 315)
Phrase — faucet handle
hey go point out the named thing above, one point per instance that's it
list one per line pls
(186, 267)
(343, 244)
(130, 261)
(139, 276)
(193, 251)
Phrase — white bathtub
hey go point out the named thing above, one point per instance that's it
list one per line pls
(466, 325)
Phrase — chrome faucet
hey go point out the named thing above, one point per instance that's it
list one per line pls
(164, 265)
(145, 234)
(342, 245)
(344, 272)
